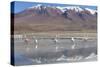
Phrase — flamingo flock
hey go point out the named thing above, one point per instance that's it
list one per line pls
(28, 40)
(55, 40)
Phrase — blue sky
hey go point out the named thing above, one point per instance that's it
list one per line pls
(19, 6)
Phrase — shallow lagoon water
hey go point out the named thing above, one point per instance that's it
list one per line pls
(26, 53)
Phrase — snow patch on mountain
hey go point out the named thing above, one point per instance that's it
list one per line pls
(76, 8)
(91, 10)
(37, 6)
(61, 8)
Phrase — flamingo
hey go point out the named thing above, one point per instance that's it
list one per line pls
(73, 40)
(27, 42)
(85, 38)
(56, 41)
(25, 39)
(36, 43)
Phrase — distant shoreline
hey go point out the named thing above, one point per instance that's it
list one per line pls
(58, 35)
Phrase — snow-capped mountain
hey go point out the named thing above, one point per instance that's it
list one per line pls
(57, 18)
(68, 11)
(76, 8)
(37, 7)
(62, 9)
(91, 10)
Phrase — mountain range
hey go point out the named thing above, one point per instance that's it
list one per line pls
(42, 18)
